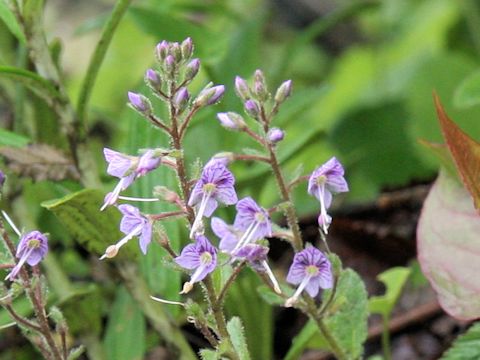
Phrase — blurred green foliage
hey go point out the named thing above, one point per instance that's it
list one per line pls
(367, 101)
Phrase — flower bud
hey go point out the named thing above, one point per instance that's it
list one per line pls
(164, 193)
(252, 108)
(275, 135)
(176, 51)
(223, 158)
(152, 78)
(2, 179)
(260, 86)
(241, 88)
(161, 51)
(187, 48)
(181, 99)
(283, 91)
(231, 120)
(210, 95)
(191, 69)
(169, 65)
(140, 103)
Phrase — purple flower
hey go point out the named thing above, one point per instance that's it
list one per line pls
(153, 79)
(200, 256)
(127, 168)
(283, 91)
(227, 234)
(191, 70)
(31, 249)
(253, 220)
(231, 120)
(133, 224)
(2, 178)
(252, 108)
(311, 271)
(216, 184)
(324, 181)
(275, 135)
(210, 95)
(241, 88)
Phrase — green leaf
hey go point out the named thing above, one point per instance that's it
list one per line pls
(466, 346)
(42, 87)
(394, 280)
(448, 247)
(8, 138)
(236, 332)
(467, 93)
(346, 319)
(125, 334)
(207, 354)
(465, 152)
(9, 19)
(93, 229)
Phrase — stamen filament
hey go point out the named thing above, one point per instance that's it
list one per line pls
(128, 198)
(125, 239)
(323, 210)
(272, 278)
(10, 222)
(17, 267)
(292, 300)
(200, 212)
(163, 301)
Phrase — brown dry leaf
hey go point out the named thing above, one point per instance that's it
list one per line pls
(39, 162)
(465, 152)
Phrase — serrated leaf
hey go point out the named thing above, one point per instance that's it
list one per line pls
(448, 247)
(346, 320)
(466, 346)
(465, 152)
(394, 280)
(93, 229)
(39, 162)
(125, 334)
(236, 331)
(467, 93)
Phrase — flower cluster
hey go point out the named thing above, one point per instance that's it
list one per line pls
(244, 240)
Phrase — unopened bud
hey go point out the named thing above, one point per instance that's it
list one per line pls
(164, 193)
(181, 100)
(260, 86)
(231, 120)
(161, 51)
(152, 78)
(275, 135)
(210, 95)
(283, 91)
(169, 65)
(187, 48)
(191, 69)
(176, 51)
(2, 179)
(252, 108)
(140, 103)
(241, 88)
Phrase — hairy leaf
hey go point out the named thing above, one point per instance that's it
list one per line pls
(39, 162)
(8, 138)
(236, 331)
(448, 247)
(466, 347)
(465, 152)
(346, 319)
(9, 19)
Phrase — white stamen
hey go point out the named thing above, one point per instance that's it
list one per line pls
(323, 210)
(123, 241)
(272, 278)
(163, 301)
(128, 198)
(247, 236)
(200, 212)
(292, 300)
(17, 267)
(10, 222)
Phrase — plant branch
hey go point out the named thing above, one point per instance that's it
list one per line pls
(218, 303)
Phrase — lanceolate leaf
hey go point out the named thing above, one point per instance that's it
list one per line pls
(448, 247)
(465, 151)
(236, 331)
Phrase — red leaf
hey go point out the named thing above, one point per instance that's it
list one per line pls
(465, 152)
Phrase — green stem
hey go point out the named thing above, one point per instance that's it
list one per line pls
(95, 62)
(332, 342)
(154, 311)
(387, 353)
